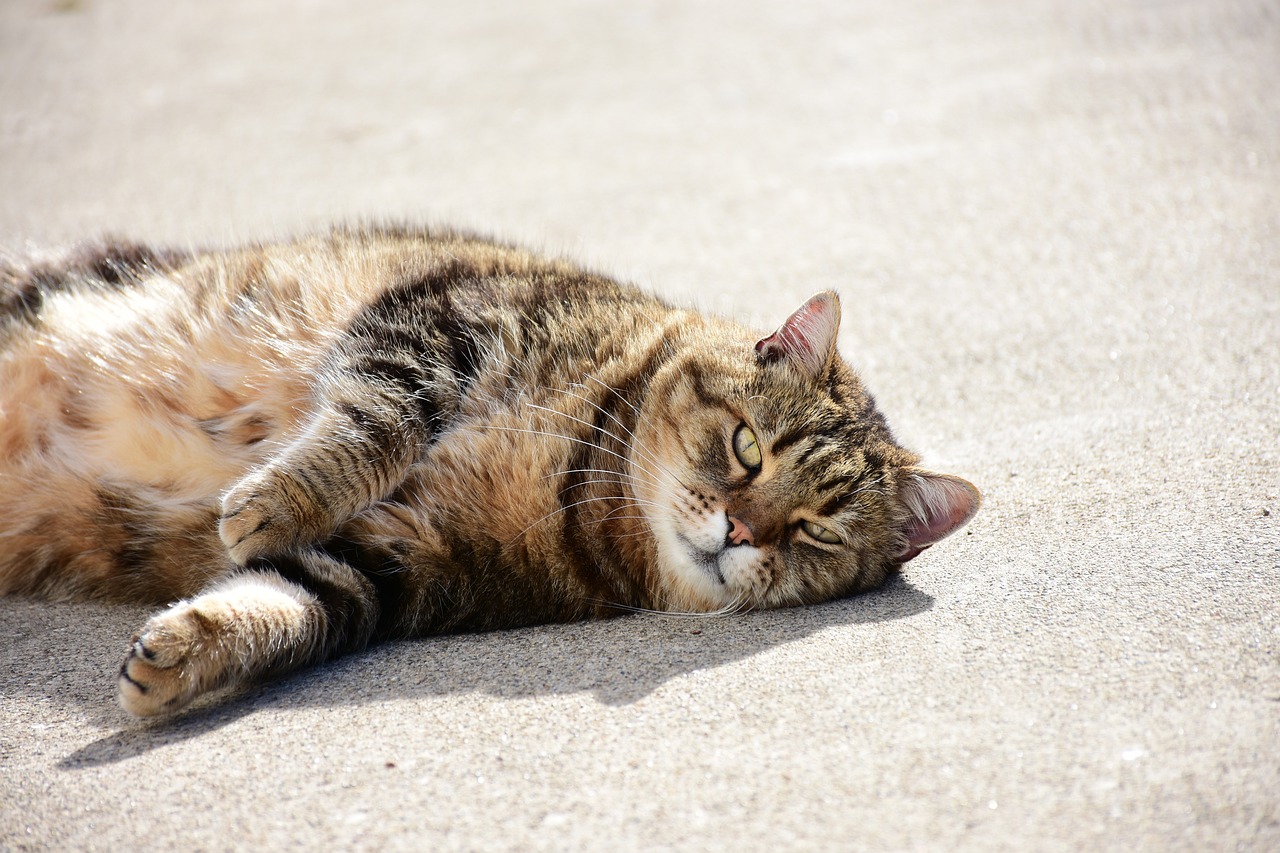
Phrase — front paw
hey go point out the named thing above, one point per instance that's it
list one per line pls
(163, 671)
(267, 514)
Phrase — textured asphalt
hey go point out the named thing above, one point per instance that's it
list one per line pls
(1056, 229)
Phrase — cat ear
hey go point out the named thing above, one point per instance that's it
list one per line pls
(939, 505)
(808, 338)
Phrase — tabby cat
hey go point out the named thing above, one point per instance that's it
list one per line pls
(388, 432)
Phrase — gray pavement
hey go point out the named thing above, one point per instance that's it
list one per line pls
(1056, 228)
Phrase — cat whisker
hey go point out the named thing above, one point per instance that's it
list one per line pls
(600, 408)
(614, 478)
(634, 533)
(575, 439)
(671, 614)
(614, 392)
(573, 486)
(745, 604)
(568, 507)
(635, 444)
(550, 434)
(631, 505)
(596, 427)
(766, 399)
(584, 471)
(617, 477)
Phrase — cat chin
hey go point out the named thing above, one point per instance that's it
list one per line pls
(698, 580)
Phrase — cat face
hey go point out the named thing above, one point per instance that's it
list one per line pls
(769, 478)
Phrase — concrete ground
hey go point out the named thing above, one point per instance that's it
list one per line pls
(1056, 228)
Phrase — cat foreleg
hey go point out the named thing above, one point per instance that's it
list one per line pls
(253, 625)
(388, 386)
(349, 456)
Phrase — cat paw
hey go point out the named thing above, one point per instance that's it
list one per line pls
(261, 517)
(163, 672)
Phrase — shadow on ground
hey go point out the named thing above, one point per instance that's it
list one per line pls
(619, 661)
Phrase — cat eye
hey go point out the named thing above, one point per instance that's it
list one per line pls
(822, 534)
(747, 448)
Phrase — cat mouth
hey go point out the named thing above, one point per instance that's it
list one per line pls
(708, 561)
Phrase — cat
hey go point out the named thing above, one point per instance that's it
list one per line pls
(390, 432)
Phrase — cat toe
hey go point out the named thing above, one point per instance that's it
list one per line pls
(158, 675)
(254, 523)
(147, 690)
(268, 514)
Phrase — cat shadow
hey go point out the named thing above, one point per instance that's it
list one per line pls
(618, 661)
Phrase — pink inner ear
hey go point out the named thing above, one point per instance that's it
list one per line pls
(939, 505)
(808, 337)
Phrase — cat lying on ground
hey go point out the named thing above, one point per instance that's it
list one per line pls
(385, 433)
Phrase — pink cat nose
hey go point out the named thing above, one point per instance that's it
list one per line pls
(739, 533)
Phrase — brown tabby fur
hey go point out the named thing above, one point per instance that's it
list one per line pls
(391, 432)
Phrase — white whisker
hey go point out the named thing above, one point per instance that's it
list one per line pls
(672, 614)
(635, 444)
(597, 428)
(614, 392)
(552, 435)
(629, 502)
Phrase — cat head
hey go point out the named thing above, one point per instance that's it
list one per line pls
(769, 478)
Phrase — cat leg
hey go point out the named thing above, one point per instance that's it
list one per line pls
(385, 392)
(348, 457)
(253, 625)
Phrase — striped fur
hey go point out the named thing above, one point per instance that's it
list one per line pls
(383, 433)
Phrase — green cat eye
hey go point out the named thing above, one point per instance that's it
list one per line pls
(747, 448)
(822, 534)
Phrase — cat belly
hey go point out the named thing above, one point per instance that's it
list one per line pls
(116, 440)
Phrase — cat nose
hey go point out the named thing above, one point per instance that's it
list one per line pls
(739, 533)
